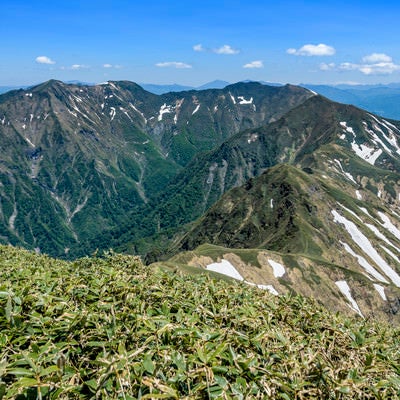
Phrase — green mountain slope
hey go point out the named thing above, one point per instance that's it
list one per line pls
(339, 141)
(76, 159)
(332, 212)
(320, 232)
(61, 157)
(294, 139)
(113, 328)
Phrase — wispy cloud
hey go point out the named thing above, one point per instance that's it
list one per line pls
(372, 64)
(226, 49)
(199, 47)
(112, 66)
(44, 60)
(327, 67)
(254, 64)
(173, 64)
(313, 50)
(76, 67)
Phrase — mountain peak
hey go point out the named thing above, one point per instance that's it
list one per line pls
(52, 83)
(216, 84)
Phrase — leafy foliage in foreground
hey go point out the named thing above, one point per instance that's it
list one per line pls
(113, 328)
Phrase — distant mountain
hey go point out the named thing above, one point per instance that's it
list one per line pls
(76, 160)
(217, 84)
(161, 89)
(379, 99)
(4, 89)
(79, 83)
(265, 82)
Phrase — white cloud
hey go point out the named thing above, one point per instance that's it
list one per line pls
(346, 66)
(112, 66)
(350, 83)
(254, 64)
(313, 50)
(379, 68)
(373, 64)
(226, 49)
(377, 58)
(173, 64)
(327, 67)
(76, 67)
(44, 60)
(198, 47)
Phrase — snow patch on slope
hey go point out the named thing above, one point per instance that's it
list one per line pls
(27, 139)
(362, 241)
(134, 108)
(365, 264)
(387, 224)
(244, 101)
(270, 288)
(381, 290)
(364, 210)
(226, 268)
(112, 113)
(345, 289)
(391, 254)
(126, 113)
(196, 109)
(347, 128)
(392, 137)
(368, 154)
(278, 269)
(363, 151)
(350, 212)
(347, 174)
(164, 109)
(381, 236)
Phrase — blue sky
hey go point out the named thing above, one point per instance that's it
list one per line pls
(193, 42)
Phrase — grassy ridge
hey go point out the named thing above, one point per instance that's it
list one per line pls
(113, 328)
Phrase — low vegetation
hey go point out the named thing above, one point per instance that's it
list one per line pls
(111, 327)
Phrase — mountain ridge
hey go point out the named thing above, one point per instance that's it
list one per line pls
(108, 148)
(318, 234)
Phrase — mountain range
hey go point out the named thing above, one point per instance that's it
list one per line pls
(294, 192)
(380, 99)
(383, 100)
(79, 157)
